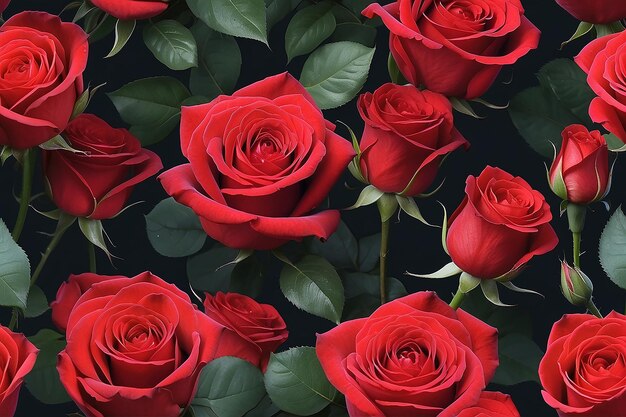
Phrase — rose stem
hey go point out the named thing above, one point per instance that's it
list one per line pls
(576, 238)
(56, 238)
(384, 249)
(576, 220)
(28, 166)
(13, 321)
(457, 300)
(593, 309)
(92, 257)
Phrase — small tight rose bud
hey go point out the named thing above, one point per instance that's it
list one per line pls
(580, 172)
(575, 285)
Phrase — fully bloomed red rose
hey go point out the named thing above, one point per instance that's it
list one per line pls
(602, 60)
(580, 172)
(17, 356)
(96, 182)
(132, 9)
(595, 11)
(414, 356)
(41, 75)
(407, 134)
(492, 404)
(583, 372)
(500, 225)
(135, 347)
(456, 47)
(258, 324)
(259, 162)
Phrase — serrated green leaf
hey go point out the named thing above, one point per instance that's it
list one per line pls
(37, 303)
(171, 43)
(313, 285)
(14, 271)
(340, 249)
(229, 387)
(210, 271)
(241, 18)
(174, 230)
(277, 10)
(43, 381)
(295, 381)
(335, 72)
(612, 248)
(519, 360)
(369, 252)
(308, 29)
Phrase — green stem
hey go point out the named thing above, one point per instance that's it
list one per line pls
(14, 315)
(457, 300)
(93, 266)
(28, 168)
(576, 236)
(593, 309)
(56, 238)
(384, 249)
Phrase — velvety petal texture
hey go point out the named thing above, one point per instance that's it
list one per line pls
(135, 346)
(259, 162)
(580, 172)
(407, 134)
(595, 11)
(500, 225)
(17, 358)
(583, 372)
(132, 9)
(414, 356)
(603, 61)
(42, 60)
(455, 47)
(492, 404)
(258, 324)
(96, 181)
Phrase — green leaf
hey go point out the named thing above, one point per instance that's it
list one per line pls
(43, 381)
(123, 31)
(229, 387)
(308, 29)
(369, 252)
(313, 285)
(247, 277)
(14, 271)
(219, 63)
(506, 320)
(171, 43)
(354, 32)
(613, 248)
(335, 72)
(363, 293)
(540, 118)
(519, 360)
(265, 408)
(241, 18)
(568, 82)
(37, 303)
(210, 271)
(295, 381)
(341, 249)
(174, 230)
(277, 10)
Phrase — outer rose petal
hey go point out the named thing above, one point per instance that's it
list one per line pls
(492, 404)
(131, 9)
(594, 11)
(4, 4)
(586, 56)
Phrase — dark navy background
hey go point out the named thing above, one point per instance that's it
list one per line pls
(414, 247)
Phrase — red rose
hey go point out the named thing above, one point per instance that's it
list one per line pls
(42, 61)
(260, 161)
(17, 356)
(595, 11)
(500, 225)
(413, 356)
(97, 182)
(492, 404)
(602, 60)
(407, 134)
(258, 324)
(456, 47)
(580, 172)
(135, 347)
(132, 9)
(583, 371)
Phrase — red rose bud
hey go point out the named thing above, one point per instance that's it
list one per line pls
(580, 172)
(132, 9)
(575, 285)
(96, 181)
(595, 11)
(456, 47)
(407, 134)
(500, 225)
